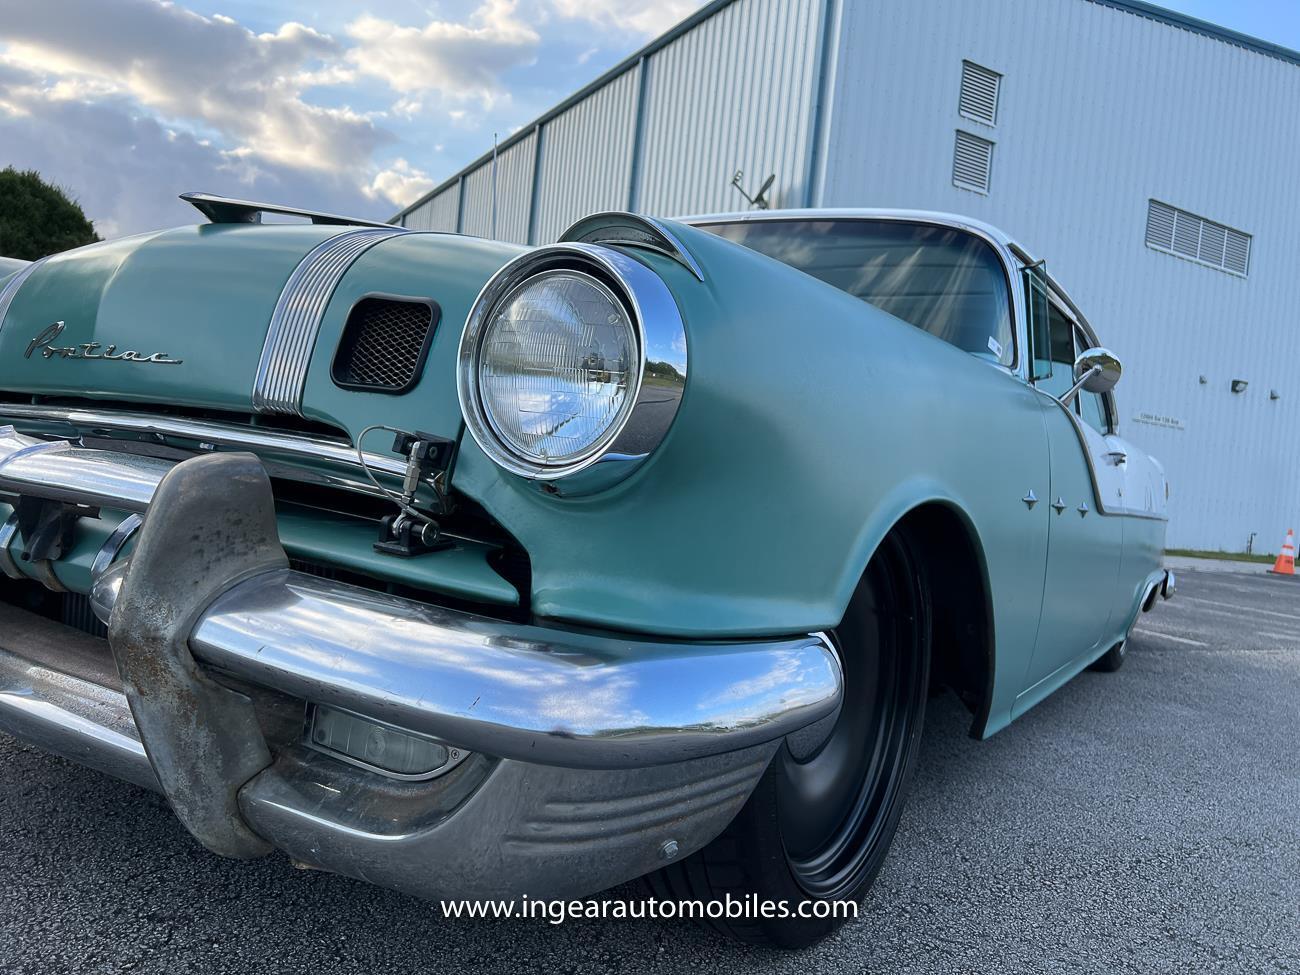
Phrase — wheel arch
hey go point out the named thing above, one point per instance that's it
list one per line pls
(951, 554)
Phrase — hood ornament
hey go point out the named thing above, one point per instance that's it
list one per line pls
(89, 350)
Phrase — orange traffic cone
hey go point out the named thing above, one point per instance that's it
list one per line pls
(1285, 564)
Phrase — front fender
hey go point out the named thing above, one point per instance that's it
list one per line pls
(810, 423)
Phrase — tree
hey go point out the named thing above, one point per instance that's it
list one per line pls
(37, 218)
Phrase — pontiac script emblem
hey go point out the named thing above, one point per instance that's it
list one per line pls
(89, 350)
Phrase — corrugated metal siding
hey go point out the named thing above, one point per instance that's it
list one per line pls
(1100, 112)
(587, 158)
(438, 213)
(736, 93)
(514, 194)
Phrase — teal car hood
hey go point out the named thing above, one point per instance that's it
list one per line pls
(179, 318)
(192, 303)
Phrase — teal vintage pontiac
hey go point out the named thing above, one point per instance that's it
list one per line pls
(478, 570)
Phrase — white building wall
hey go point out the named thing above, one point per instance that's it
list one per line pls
(736, 93)
(440, 212)
(587, 157)
(854, 103)
(514, 194)
(1100, 111)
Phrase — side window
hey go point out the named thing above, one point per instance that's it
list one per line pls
(1040, 342)
(1092, 410)
(1061, 349)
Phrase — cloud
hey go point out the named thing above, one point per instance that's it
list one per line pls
(646, 19)
(458, 60)
(130, 102)
(400, 184)
(126, 168)
(245, 87)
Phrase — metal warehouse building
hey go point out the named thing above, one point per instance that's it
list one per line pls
(1150, 158)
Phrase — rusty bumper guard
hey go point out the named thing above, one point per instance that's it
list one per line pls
(584, 759)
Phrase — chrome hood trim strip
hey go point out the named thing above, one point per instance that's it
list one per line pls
(295, 323)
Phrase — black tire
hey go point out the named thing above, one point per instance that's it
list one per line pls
(819, 824)
(1112, 660)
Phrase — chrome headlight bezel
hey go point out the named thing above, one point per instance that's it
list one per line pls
(660, 336)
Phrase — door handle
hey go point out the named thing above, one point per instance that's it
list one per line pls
(1118, 457)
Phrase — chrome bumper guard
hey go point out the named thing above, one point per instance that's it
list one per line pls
(592, 751)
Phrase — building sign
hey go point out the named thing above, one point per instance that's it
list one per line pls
(1158, 420)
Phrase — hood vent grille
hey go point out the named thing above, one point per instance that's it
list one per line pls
(384, 344)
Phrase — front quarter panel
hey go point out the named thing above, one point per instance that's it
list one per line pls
(810, 424)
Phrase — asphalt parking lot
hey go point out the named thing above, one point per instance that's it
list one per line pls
(1146, 821)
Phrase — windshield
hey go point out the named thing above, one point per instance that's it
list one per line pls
(943, 280)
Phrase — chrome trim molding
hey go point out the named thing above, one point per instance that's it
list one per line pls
(661, 337)
(272, 446)
(291, 337)
(10, 290)
(614, 228)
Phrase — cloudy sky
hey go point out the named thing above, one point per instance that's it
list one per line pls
(354, 107)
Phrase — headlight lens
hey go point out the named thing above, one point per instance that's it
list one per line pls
(558, 367)
(572, 366)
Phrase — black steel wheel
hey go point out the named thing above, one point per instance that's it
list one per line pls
(819, 823)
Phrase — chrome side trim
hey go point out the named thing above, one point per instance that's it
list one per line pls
(282, 371)
(11, 287)
(514, 691)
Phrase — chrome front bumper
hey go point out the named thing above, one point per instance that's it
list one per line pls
(593, 753)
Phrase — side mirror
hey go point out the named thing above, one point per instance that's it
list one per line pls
(1095, 370)
(1098, 370)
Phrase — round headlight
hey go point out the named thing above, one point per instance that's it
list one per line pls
(558, 368)
(572, 354)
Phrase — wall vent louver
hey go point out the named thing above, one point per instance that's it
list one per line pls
(979, 93)
(972, 162)
(1197, 239)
